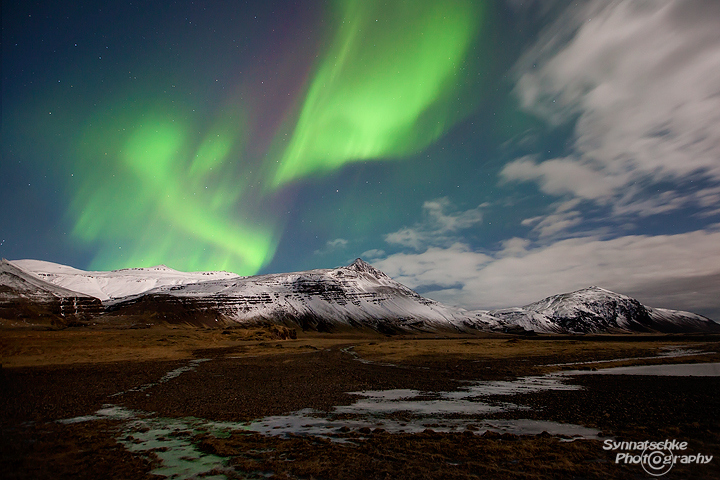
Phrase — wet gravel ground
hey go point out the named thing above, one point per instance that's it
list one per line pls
(34, 445)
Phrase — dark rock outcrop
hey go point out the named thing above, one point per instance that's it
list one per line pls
(25, 299)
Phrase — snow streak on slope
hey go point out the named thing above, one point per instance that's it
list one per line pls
(117, 283)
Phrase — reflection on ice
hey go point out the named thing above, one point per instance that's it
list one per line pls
(169, 440)
(108, 412)
(392, 411)
(515, 387)
(423, 407)
(307, 422)
(464, 401)
(396, 394)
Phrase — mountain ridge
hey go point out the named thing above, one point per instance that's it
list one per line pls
(595, 309)
(353, 296)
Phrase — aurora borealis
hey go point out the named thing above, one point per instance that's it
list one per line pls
(485, 153)
(385, 87)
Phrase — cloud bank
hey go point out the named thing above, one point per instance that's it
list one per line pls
(673, 271)
(641, 81)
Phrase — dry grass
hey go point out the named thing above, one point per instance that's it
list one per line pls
(24, 347)
(544, 353)
(33, 347)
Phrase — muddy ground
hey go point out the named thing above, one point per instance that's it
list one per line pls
(49, 376)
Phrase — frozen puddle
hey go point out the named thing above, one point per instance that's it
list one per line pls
(170, 440)
(417, 403)
(468, 400)
(308, 422)
(108, 412)
(351, 351)
(673, 370)
(515, 387)
(393, 411)
(423, 410)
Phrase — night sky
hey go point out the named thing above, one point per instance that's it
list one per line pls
(486, 154)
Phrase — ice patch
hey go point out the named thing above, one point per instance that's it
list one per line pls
(670, 352)
(519, 386)
(673, 370)
(423, 407)
(170, 441)
(307, 422)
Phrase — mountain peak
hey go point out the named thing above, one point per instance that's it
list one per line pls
(360, 265)
(595, 288)
(162, 268)
(599, 292)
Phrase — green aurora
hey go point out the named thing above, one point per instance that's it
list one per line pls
(162, 198)
(385, 88)
(160, 192)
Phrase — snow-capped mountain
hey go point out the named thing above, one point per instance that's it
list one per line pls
(355, 296)
(595, 310)
(108, 286)
(26, 298)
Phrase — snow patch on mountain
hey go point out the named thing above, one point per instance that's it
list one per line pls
(24, 283)
(595, 310)
(28, 299)
(356, 295)
(115, 284)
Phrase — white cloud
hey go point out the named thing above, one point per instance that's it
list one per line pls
(643, 81)
(551, 225)
(443, 222)
(337, 243)
(372, 254)
(440, 225)
(514, 247)
(563, 218)
(332, 245)
(442, 267)
(562, 176)
(407, 237)
(645, 266)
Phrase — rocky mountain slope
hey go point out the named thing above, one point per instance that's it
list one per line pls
(25, 298)
(355, 296)
(596, 310)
